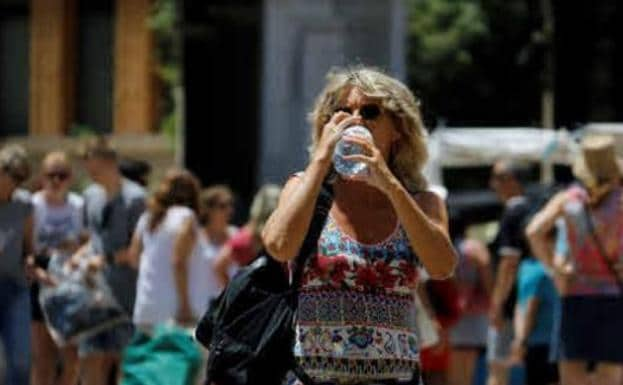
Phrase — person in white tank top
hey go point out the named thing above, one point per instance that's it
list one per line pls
(166, 250)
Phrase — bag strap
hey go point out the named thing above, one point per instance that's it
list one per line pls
(601, 249)
(321, 211)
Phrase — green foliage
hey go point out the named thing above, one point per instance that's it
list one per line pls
(80, 130)
(441, 33)
(163, 16)
(164, 22)
(471, 61)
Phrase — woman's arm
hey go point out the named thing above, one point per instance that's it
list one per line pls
(135, 249)
(424, 217)
(481, 255)
(524, 323)
(222, 264)
(286, 228)
(539, 227)
(425, 221)
(29, 245)
(184, 244)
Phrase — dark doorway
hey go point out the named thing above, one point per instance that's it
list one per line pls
(14, 69)
(589, 51)
(94, 104)
(222, 69)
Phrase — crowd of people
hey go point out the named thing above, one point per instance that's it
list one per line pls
(164, 256)
(545, 294)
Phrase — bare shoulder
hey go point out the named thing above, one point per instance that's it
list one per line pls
(433, 206)
(558, 200)
(429, 202)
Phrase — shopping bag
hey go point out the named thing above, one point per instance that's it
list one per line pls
(80, 304)
(169, 356)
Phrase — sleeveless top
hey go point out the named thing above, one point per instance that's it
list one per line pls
(592, 274)
(356, 314)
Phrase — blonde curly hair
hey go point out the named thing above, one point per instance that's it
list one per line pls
(410, 154)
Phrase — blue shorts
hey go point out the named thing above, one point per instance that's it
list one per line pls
(112, 340)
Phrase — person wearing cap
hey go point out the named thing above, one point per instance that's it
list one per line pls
(592, 297)
(16, 241)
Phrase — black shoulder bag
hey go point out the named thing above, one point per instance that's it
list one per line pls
(601, 249)
(249, 329)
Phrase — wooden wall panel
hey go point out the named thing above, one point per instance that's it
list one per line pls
(134, 88)
(52, 66)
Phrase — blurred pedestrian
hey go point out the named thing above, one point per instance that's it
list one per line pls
(592, 305)
(164, 247)
(474, 280)
(135, 170)
(509, 248)
(355, 321)
(217, 209)
(242, 248)
(16, 242)
(443, 297)
(536, 303)
(113, 205)
(58, 228)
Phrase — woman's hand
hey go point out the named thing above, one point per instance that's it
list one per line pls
(38, 274)
(518, 352)
(378, 175)
(95, 264)
(331, 134)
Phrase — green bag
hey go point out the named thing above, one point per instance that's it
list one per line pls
(169, 356)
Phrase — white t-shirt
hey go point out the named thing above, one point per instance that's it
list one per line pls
(54, 225)
(204, 276)
(156, 294)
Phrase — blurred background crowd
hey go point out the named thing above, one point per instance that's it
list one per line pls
(220, 90)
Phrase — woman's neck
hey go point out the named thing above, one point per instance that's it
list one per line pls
(54, 199)
(112, 184)
(217, 233)
(360, 194)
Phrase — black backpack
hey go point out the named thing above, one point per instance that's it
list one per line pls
(249, 329)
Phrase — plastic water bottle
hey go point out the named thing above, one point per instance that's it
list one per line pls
(344, 148)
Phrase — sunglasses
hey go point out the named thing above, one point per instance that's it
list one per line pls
(367, 111)
(222, 205)
(59, 175)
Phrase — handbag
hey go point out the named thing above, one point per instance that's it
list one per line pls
(81, 305)
(249, 329)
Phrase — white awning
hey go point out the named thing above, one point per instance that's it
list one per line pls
(475, 146)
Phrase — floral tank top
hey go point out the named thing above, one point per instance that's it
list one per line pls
(592, 274)
(356, 314)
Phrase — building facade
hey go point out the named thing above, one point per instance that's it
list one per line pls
(69, 67)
